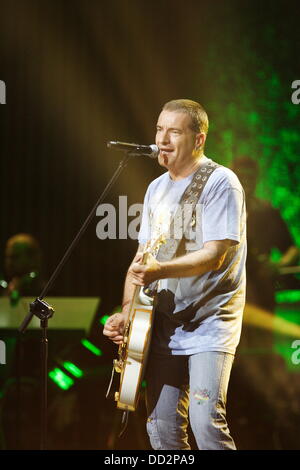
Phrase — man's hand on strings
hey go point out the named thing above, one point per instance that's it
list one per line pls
(144, 274)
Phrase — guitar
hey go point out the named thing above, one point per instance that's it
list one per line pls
(133, 351)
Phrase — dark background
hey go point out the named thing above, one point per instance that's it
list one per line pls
(79, 73)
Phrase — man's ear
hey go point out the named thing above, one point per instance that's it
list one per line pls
(200, 140)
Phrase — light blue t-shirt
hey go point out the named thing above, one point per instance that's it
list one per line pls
(200, 313)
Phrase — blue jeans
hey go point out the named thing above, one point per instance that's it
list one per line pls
(194, 386)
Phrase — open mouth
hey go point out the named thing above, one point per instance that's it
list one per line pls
(164, 151)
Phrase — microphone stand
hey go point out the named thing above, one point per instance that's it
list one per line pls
(44, 311)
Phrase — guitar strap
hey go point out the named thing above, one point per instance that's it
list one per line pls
(185, 212)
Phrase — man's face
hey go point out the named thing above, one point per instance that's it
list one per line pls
(176, 140)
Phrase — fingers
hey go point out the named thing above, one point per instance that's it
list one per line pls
(142, 274)
(111, 330)
(115, 322)
(137, 274)
(138, 257)
(138, 268)
(114, 336)
(114, 327)
(118, 340)
(137, 282)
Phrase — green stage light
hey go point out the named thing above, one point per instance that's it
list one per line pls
(74, 370)
(61, 379)
(91, 347)
(15, 295)
(103, 319)
(275, 255)
(287, 296)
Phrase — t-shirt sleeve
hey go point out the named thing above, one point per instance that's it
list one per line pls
(221, 215)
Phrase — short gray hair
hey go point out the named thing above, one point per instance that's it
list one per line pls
(199, 119)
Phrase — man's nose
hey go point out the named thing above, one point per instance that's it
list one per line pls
(163, 137)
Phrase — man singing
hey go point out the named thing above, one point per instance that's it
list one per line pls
(201, 289)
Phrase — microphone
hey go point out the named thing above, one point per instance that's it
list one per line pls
(135, 149)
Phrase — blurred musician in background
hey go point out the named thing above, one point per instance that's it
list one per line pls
(266, 231)
(22, 267)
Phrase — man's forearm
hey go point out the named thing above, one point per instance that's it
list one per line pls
(129, 287)
(208, 258)
(192, 264)
(127, 293)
